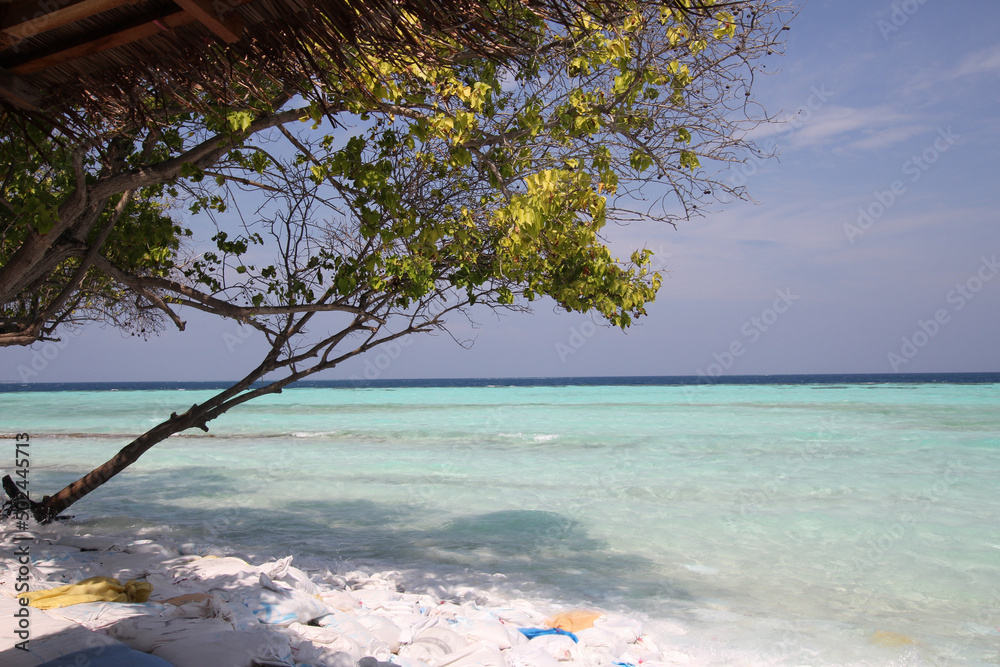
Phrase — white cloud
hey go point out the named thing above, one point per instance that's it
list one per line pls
(832, 122)
(878, 139)
(927, 82)
(977, 63)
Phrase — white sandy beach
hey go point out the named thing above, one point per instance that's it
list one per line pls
(210, 607)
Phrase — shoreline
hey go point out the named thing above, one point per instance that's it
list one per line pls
(205, 598)
(228, 608)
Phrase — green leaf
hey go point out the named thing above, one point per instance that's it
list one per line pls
(690, 160)
(239, 120)
(640, 160)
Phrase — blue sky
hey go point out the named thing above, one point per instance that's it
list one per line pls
(871, 244)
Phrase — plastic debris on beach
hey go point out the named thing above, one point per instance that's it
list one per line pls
(210, 608)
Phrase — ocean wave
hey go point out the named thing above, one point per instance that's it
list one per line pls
(532, 437)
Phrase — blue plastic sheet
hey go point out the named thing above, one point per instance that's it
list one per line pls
(531, 633)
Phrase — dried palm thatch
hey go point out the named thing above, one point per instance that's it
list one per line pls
(66, 60)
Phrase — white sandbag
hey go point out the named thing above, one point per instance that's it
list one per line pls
(560, 647)
(212, 605)
(50, 636)
(229, 649)
(520, 614)
(276, 568)
(313, 654)
(278, 604)
(55, 555)
(598, 655)
(414, 625)
(147, 633)
(9, 568)
(355, 577)
(399, 607)
(283, 571)
(433, 644)
(419, 601)
(602, 638)
(236, 613)
(374, 597)
(58, 572)
(326, 639)
(383, 629)
(629, 630)
(527, 655)
(197, 605)
(474, 612)
(494, 632)
(341, 600)
(449, 609)
(96, 615)
(474, 655)
(165, 586)
(380, 580)
(349, 627)
(220, 572)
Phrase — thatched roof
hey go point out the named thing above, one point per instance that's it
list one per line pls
(103, 56)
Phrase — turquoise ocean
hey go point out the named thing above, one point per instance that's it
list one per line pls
(767, 521)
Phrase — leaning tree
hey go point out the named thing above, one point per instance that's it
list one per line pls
(425, 189)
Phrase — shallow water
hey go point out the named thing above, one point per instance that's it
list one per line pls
(752, 524)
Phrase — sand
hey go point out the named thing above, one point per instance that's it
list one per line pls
(210, 606)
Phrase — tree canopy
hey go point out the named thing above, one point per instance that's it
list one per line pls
(385, 208)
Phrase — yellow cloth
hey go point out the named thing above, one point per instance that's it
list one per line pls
(95, 589)
(574, 621)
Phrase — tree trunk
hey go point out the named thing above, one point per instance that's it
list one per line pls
(51, 506)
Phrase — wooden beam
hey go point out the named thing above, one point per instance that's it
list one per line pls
(142, 30)
(27, 19)
(17, 92)
(227, 26)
